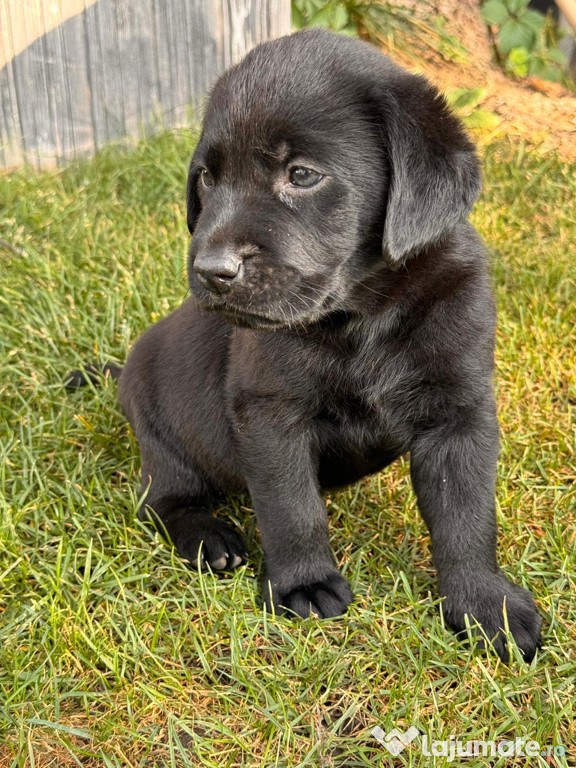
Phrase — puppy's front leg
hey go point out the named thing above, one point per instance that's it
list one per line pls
(453, 470)
(280, 470)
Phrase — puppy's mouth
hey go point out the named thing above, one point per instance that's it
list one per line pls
(244, 319)
(259, 310)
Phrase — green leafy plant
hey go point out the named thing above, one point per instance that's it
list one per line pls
(385, 24)
(336, 15)
(465, 102)
(526, 41)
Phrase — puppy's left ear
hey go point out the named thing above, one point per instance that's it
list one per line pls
(193, 204)
(435, 175)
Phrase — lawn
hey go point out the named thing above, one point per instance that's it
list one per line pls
(114, 654)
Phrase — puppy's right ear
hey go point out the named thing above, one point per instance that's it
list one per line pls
(193, 203)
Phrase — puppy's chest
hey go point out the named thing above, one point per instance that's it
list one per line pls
(366, 396)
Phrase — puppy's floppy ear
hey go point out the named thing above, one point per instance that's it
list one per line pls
(435, 175)
(193, 204)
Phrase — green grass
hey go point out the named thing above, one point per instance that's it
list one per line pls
(114, 654)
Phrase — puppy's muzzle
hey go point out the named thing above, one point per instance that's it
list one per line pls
(218, 268)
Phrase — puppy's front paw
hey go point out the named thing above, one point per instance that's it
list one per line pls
(484, 600)
(209, 540)
(325, 597)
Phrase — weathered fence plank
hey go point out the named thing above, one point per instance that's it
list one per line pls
(76, 74)
(10, 142)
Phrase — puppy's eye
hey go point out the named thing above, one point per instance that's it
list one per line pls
(207, 178)
(304, 177)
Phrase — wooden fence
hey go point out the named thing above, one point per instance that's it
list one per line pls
(77, 74)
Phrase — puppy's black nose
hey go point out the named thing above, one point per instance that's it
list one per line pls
(217, 268)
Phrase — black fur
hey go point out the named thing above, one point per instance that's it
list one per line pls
(91, 373)
(331, 330)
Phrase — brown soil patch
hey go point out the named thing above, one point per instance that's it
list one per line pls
(540, 112)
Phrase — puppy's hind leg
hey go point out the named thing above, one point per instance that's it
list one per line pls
(179, 503)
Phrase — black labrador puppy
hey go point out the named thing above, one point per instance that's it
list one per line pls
(341, 316)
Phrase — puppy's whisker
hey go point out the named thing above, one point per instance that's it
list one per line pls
(377, 293)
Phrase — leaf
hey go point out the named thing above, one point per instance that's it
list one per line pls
(298, 19)
(558, 56)
(539, 68)
(350, 30)
(519, 56)
(517, 61)
(495, 12)
(309, 7)
(340, 19)
(514, 34)
(83, 734)
(536, 66)
(482, 120)
(533, 19)
(553, 74)
(516, 6)
(322, 18)
(465, 98)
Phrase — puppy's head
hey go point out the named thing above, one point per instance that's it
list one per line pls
(319, 161)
